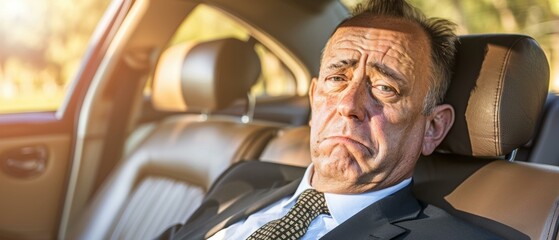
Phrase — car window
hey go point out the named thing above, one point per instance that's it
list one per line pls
(41, 47)
(206, 23)
(538, 18)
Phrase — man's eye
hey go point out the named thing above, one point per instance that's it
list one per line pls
(336, 78)
(385, 90)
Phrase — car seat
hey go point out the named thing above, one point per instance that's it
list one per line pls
(289, 147)
(163, 179)
(498, 90)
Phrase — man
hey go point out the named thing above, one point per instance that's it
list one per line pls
(376, 106)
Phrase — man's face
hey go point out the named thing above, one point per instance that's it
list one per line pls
(367, 127)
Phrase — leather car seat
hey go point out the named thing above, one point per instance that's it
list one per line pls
(164, 178)
(498, 89)
(289, 147)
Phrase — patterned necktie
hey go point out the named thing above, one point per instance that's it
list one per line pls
(295, 223)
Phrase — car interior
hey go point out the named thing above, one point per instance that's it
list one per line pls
(202, 72)
(164, 178)
(142, 161)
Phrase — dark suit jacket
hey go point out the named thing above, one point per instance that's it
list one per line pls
(250, 186)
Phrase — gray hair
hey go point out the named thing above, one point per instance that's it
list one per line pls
(440, 33)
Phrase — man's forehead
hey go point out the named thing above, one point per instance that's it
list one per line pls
(378, 46)
(378, 36)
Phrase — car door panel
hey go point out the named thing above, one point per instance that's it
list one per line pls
(32, 192)
(37, 148)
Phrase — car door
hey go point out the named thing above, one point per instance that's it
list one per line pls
(49, 54)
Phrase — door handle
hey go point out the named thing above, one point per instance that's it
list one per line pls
(26, 161)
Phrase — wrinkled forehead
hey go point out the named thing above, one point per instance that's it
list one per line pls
(369, 27)
(383, 38)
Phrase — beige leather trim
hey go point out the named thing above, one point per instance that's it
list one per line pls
(291, 147)
(497, 91)
(167, 90)
(500, 191)
(30, 207)
(491, 125)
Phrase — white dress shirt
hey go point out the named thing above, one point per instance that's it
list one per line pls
(341, 206)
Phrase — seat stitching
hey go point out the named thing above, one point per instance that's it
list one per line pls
(497, 103)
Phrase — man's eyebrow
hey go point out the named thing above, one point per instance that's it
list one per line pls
(346, 63)
(388, 72)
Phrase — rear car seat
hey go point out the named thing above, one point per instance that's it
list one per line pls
(290, 147)
(165, 176)
(498, 90)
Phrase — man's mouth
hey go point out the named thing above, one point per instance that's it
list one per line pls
(348, 141)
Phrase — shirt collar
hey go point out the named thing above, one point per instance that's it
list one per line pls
(343, 206)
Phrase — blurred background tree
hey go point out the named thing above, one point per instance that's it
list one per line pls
(41, 46)
(42, 42)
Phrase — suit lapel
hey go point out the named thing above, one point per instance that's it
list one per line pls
(377, 220)
(274, 196)
(255, 203)
(241, 209)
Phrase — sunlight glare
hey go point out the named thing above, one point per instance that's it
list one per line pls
(13, 10)
(555, 83)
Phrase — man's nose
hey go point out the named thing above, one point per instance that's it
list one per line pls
(352, 102)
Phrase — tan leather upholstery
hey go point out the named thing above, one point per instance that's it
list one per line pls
(188, 75)
(164, 178)
(513, 199)
(291, 147)
(498, 89)
(518, 209)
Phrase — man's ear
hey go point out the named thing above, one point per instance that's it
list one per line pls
(311, 89)
(311, 94)
(438, 124)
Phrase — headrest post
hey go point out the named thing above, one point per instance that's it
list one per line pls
(251, 104)
(511, 156)
(204, 116)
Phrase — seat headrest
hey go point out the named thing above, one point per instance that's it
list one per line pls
(206, 76)
(498, 89)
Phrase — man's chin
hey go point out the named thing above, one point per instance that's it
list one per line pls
(339, 187)
(339, 167)
(333, 179)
